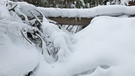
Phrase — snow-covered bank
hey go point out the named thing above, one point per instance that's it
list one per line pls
(108, 10)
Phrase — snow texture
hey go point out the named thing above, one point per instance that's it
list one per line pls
(4, 14)
(107, 10)
(107, 41)
(104, 48)
(17, 57)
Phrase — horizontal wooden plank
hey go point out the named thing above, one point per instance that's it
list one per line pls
(71, 21)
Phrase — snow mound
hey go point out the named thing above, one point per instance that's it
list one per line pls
(108, 45)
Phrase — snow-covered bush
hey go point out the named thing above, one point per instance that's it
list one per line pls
(26, 35)
(17, 56)
(49, 33)
(59, 39)
(4, 14)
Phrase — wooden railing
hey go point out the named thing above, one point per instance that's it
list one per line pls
(71, 21)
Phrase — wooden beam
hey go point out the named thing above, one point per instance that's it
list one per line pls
(71, 21)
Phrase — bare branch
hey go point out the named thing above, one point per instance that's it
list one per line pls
(41, 42)
(26, 37)
(40, 13)
(35, 17)
(38, 20)
(23, 16)
(67, 27)
(13, 8)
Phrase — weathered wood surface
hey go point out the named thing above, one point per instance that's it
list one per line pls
(71, 21)
(132, 3)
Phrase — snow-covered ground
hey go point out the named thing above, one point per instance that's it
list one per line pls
(104, 48)
(107, 41)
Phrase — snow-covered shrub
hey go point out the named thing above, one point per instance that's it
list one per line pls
(60, 39)
(45, 31)
(4, 13)
(17, 56)
(22, 42)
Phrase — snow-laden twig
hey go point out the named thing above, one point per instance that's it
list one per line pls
(13, 8)
(25, 37)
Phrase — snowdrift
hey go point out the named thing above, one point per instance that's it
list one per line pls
(107, 45)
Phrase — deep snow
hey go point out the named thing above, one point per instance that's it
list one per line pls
(108, 41)
(104, 48)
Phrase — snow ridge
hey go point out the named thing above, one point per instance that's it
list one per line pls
(106, 10)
